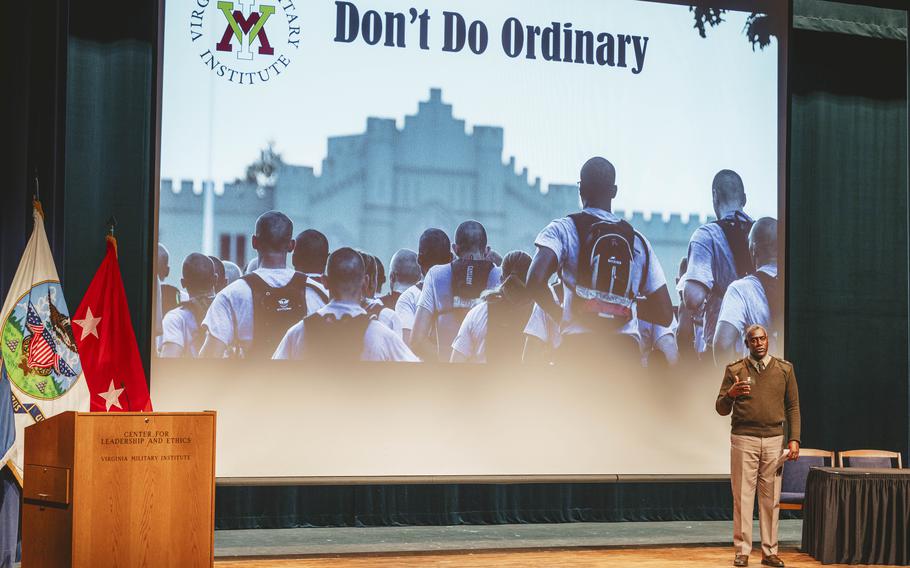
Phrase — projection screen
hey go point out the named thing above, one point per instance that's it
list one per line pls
(517, 196)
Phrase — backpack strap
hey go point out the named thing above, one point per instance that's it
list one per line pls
(298, 284)
(507, 316)
(769, 287)
(256, 284)
(390, 299)
(736, 231)
(373, 310)
(646, 264)
(312, 285)
(583, 222)
(198, 306)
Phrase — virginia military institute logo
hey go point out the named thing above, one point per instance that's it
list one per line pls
(39, 354)
(245, 42)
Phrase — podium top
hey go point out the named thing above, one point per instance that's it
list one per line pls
(199, 413)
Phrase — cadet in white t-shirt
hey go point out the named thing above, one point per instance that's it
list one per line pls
(220, 274)
(511, 306)
(232, 272)
(746, 302)
(230, 320)
(406, 308)
(311, 249)
(433, 248)
(602, 320)
(371, 303)
(384, 315)
(450, 290)
(718, 254)
(182, 336)
(342, 330)
(404, 272)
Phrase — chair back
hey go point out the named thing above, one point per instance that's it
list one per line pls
(793, 478)
(869, 459)
(795, 472)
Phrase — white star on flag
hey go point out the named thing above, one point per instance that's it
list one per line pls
(111, 397)
(89, 325)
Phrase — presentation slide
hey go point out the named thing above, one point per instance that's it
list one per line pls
(512, 238)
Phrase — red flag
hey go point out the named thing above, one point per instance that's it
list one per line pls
(107, 344)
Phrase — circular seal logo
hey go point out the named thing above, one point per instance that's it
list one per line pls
(246, 42)
(39, 351)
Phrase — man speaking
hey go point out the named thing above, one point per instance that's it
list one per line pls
(761, 392)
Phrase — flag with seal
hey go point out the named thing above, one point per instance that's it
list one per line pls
(107, 343)
(40, 357)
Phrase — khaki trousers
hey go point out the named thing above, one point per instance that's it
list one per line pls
(748, 458)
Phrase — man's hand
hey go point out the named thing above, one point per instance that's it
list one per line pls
(794, 450)
(739, 388)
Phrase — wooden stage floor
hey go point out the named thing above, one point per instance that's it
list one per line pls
(672, 557)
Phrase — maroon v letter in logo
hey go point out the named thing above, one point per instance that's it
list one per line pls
(239, 27)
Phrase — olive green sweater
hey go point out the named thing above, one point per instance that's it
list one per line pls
(774, 398)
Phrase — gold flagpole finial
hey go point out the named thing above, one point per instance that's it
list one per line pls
(111, 223)
(36, 199)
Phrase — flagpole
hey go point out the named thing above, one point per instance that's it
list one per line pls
(36, 200)
(36, 206)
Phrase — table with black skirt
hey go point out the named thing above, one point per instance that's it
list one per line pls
(857, 516)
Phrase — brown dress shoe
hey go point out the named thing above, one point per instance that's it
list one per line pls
(773, 560)
(741, 560)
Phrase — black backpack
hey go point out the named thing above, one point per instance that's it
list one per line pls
(275, 310)
(334, 339)
(508, 312)
(736, 231)
(770, 287)
(603, 284)
(469, 280)
(198, 307)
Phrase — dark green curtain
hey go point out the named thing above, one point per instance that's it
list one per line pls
(847, 223)
(389, 505)
(33, 121)
(850, 19)
(110, 90)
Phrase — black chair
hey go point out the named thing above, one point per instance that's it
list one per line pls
(793, 483)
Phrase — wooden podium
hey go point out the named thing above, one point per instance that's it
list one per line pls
(121, 489)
